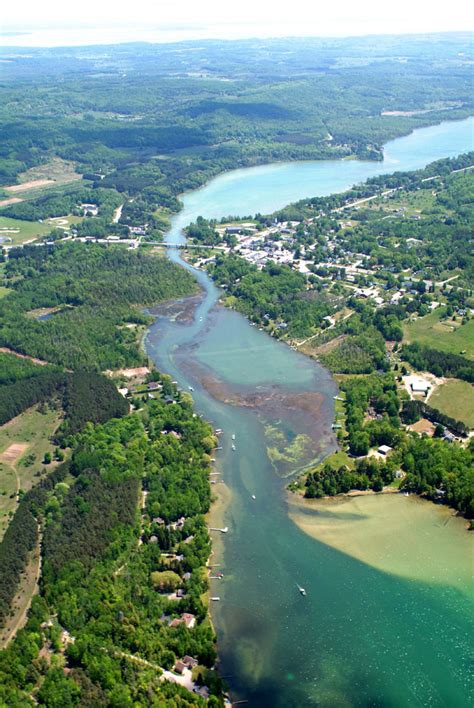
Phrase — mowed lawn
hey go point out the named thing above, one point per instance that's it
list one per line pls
(17, 231)
(20, 231)
(456, 399)
(447, 336)
(23, 443)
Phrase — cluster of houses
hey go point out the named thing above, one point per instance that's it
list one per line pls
(278, 241)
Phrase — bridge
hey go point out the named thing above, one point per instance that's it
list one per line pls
(180, 245)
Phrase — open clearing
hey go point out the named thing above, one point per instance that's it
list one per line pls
(25, 186)
(23, 443)
(17, 231)
(456, 399)
(12, 200)
(54, 172)
(13, 453)
(447, 336)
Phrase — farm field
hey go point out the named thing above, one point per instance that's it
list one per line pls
(456, 399)
(23, 443)
(447, 336)
(56, 171)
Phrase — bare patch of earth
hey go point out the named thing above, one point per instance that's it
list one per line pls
(28, 185)
(13, 200)
(14, 452)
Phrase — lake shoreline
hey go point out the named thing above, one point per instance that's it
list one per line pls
(346, 158)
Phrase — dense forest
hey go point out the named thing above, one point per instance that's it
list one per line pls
(99, 292)
(275, 294)
(84, 396)
(96, 545)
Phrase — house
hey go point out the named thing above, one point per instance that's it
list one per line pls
(190, 661)
(420, 386)
(90, 209)
(188, 619)
(179, 667)
(384, 449)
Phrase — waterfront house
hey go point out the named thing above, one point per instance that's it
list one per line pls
(188, 619)
(179, 667)
(190, 662)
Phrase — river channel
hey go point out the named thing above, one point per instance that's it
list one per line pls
(385, 622)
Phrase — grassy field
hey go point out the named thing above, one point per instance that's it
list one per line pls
(456, 399)
(20, 231)
(411, 202)
(17, 231)
(23, 443)
(336, 460)
(58, 170)
(447, 336)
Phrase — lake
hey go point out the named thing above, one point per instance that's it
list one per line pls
(385, 621)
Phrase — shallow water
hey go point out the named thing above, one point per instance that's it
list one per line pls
(392, 533)
(366, 633)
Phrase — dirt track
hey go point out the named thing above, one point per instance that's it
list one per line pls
(28, 185)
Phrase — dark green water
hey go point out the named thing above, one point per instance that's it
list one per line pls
(361, 637)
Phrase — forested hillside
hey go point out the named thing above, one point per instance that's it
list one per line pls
(156, 122)
(98, 293)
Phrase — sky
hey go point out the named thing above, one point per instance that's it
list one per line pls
(61, 22)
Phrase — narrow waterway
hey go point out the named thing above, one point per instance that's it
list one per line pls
(366, 633)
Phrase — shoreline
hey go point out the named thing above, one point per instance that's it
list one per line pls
(268, 163)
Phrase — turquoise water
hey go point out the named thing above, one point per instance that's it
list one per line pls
(361, 636)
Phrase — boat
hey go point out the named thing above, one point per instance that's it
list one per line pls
(233, 436)
(215, 599)
(233, 447)
(302, 590)
(190, 388)
(253, 496)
